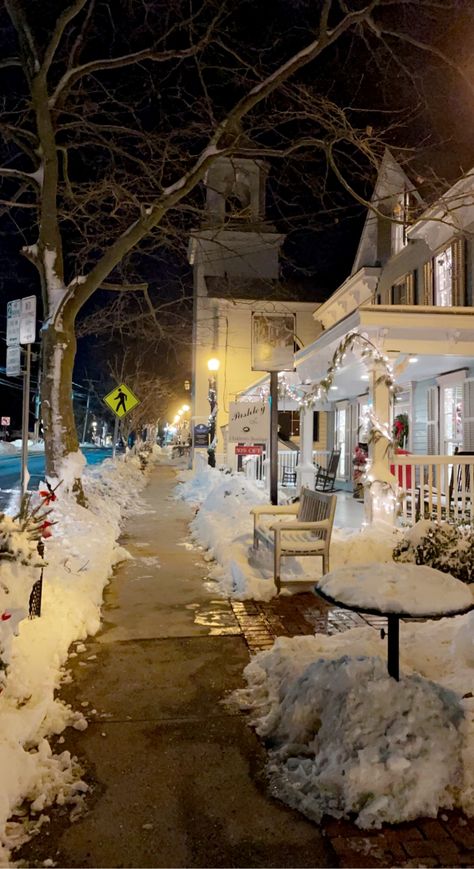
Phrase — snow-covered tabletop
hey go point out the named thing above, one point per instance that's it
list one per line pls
(405, 589)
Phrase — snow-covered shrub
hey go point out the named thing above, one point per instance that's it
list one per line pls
(19, 561)
(446, 546)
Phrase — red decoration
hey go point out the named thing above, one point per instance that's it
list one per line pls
(48, 496)
(45, 532)
(5, 616)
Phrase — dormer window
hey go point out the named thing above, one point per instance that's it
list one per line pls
(399, 223)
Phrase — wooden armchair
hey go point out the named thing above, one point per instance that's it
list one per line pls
(303, 528)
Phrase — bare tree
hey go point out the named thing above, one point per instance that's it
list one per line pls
(109, 130)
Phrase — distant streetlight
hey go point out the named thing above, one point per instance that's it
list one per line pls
(185, 408)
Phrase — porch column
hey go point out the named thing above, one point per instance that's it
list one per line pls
(380, 490)
(305, 469)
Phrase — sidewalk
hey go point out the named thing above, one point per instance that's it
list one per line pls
(175, 776)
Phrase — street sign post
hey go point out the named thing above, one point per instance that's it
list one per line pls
(13, 368)
(13, 322)
(21, 329)
(28, 320)
(120, 401)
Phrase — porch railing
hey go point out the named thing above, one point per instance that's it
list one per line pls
(255, 467)
(437, 487)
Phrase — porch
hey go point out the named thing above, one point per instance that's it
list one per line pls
(437, 487)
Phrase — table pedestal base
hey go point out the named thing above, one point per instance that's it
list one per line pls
(393, 643)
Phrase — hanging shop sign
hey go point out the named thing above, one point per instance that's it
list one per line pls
(249, 421)
(273, 342)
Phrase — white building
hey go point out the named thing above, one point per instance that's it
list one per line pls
(235, 257)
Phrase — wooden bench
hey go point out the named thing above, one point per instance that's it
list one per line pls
(303, 528)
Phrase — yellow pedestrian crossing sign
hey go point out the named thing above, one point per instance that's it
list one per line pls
(121, 400)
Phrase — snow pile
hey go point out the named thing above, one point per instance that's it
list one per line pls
(79, 559)
(224, 526)
(7, 449)
(346, 738)
(196, 487)
(399, 588)
(33, 446)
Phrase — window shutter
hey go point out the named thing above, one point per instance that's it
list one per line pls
(410, 292)
(468, 415)
(428, 283)
(432, 421)
(459, 271)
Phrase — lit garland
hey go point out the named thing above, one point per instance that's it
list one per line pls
(368, 351)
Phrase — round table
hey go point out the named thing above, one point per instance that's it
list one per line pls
(396, 591)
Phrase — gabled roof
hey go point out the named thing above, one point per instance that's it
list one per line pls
(392, 182)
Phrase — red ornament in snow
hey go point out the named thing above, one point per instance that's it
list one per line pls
(45, 532)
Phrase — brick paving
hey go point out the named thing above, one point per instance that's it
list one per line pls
(445, 841)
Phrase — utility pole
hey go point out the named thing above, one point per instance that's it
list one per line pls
(86, 418)
(37, 405)
(25, 422)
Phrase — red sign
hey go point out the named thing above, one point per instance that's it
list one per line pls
(5, 420)
(242, 450)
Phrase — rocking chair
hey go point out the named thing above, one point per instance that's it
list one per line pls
(325, 477)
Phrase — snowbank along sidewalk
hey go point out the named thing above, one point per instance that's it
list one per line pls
(79, 558)
(345, 739)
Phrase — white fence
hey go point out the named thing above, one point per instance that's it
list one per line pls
(437, 487)
(255, 467)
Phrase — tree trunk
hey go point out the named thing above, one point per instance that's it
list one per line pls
(63, 459)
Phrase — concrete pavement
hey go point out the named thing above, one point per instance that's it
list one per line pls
(176, 777)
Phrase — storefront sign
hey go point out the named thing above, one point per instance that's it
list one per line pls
(249, 421)
(242, 450)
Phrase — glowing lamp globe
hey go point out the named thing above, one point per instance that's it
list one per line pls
(213, 364)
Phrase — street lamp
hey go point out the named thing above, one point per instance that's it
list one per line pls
(213, 368)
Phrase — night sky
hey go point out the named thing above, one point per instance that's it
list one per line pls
(414, 103)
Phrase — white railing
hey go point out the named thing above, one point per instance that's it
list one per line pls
(437, 487)
(255, 467)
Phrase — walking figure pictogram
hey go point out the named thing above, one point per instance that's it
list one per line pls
(121, 399)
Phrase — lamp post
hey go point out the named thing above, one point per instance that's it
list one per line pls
(213, 368)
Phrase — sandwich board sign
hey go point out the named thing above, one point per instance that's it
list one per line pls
(121, 400)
